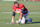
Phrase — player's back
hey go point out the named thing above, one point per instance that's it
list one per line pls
(20, 6)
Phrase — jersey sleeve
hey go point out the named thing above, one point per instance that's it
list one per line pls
(21, 6)
(14, 8)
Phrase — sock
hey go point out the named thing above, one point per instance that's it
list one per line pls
(12, 19)
(19, 20)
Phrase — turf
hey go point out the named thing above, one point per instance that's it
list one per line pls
(6, 6)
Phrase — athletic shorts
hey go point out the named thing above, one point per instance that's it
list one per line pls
(13, 14)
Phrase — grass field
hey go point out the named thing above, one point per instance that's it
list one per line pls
(6, 13)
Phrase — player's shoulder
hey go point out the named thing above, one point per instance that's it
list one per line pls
(20, 4)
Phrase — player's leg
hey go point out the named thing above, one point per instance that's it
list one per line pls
(21, 12)
(24, 18)
(20, 17)
(13, 17)
(29, 20)
(18, 22)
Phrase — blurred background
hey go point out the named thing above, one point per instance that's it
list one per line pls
(21, 0)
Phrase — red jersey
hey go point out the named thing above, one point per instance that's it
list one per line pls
(20, 7)
(26, 11)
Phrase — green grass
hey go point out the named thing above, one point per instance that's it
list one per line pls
(6, 6)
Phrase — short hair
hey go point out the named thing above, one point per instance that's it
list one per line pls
(15, 2)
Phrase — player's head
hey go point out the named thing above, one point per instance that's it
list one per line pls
(16, 4)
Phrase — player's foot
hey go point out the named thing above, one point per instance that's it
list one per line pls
(30, 20)
(26, 21)
(17, 22)
(12, 22)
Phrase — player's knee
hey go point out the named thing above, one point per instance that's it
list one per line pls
(12, 16)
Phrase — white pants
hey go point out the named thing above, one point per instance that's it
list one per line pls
(24, 18)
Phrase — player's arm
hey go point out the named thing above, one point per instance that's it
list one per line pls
(14, 11)
(21, 12)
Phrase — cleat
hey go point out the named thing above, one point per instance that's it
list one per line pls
(9, 23)
(17, 22)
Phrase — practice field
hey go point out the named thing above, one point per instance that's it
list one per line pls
(6, 13)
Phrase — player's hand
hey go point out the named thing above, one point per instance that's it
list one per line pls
(15, 11)
(18, 11)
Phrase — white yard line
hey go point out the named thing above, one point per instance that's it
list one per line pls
(17, 17)
(34, 12)
(8, 23)
(3, 23)
(29, 12)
